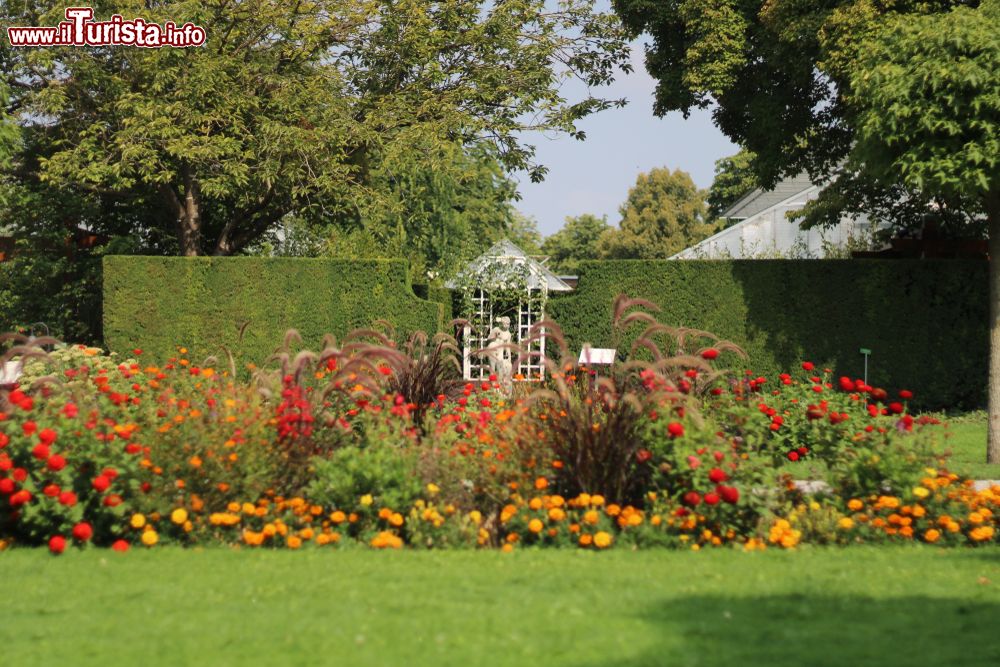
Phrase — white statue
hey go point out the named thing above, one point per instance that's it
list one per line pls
(498, 352)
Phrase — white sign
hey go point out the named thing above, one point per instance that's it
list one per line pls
(10, 371)
(593, 356)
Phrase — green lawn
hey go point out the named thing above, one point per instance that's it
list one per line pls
(965, 436)
(862, 606)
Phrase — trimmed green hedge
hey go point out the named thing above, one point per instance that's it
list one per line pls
(161, 303)
(926, 321)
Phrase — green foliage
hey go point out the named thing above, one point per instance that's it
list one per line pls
(784, 311)
(663, 214)
(383, 471)
(575, 242)
(779, 74)
(320, 108)
(246, 304)
(734, 178)
(926, 92)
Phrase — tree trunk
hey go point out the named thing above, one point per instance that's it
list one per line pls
(186, 209)
(993, 218)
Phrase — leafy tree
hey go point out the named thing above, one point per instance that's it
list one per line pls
(302, 108)
(776, 73)
(734, 178)
(664, 213)
(925, 103)
(576, 241)
(523, 232)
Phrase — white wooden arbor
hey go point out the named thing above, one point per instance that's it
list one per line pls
(495, 270)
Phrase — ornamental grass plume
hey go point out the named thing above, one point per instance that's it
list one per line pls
(596, 425)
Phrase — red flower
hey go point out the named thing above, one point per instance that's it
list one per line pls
(6, 486)
(29, 427)
(712, 498)
(110, 473)
(675, 429)
(82, 531)
(718, 456)
(47, 436)
(847, 384)
(41, 451)
(70, 410)
(4, 440)
(808, 365)
(57, 544)
(112, 500)
(878, 394)
(729, 493)
(694, 462)
(905, 394)
(643, 455)
(717, 475)
(52, 490)
(716, 392)
(56, 463)
(793, 455)
(691, 499)
(20, 474)
(101, 483)
(67, 498)
(120, 546)
(710, 354)
(896, 408)
(22, 497)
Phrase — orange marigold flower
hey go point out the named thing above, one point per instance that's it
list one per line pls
(535, 526)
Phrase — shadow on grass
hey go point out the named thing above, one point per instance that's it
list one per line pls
(820, 630)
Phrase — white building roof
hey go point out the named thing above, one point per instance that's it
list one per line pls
(766, 231)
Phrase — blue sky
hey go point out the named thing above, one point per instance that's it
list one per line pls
(593, 176)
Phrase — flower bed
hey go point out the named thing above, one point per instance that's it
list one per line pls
(367, 444)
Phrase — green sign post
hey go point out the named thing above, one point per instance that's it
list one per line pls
(865, 351)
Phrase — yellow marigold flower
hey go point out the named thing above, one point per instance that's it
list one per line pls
(656, 520)
(367, 499)
(535, 503)
(535, 526)
(597, 500)
(293, 542)
(556, 514)
(137, 521)
(845, 523)
(322, 539)
(582, 500)
(932, 535)
(179, 515)
(338, 517)
(855, 505)
(975, 517)
(396, 519)
(476, 517)
(233, 507)
(433, 488)
(921, 492)
(602, 540)
(507, 548)
(149, 538)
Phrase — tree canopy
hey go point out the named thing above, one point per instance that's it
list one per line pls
(664, 213)
(734, 178)
(316, 108)
(777, 74)
(578, 240)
